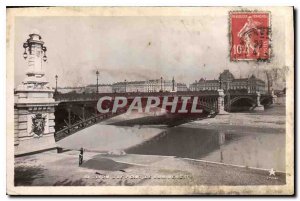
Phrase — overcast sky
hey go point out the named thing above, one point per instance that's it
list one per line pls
(137, 48)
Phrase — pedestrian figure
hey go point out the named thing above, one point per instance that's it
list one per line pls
(81, 156)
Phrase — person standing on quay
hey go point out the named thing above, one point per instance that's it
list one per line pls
(81, 156)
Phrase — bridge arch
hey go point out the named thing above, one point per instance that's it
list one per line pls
(266, 100)
(240, 103)
(239, 98)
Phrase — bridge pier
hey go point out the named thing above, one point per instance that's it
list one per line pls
(274, 97)
(258, 107)
(221, 108)
(34, 104)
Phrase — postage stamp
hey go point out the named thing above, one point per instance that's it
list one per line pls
(250, 35)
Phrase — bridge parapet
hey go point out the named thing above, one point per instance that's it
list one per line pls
(95, 96)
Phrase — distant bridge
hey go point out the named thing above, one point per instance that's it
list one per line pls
(78, 111)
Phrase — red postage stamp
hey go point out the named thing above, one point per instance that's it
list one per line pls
(250, 36)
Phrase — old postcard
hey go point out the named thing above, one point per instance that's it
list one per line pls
(150, 101)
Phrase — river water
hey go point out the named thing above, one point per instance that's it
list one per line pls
(253, 150)
(261, 150)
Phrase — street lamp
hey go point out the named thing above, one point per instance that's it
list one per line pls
(248, 85)
(125, 84)
(220, 82)
(97, 74)
(173, 84)
(30, 45)
(56, 83)
(44, 57)
(25, 55)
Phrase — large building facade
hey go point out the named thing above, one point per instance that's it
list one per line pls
(155, 85)
(65, 90)
(102, 88)
(227, 82)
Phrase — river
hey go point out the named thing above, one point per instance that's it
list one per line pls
(259, 142)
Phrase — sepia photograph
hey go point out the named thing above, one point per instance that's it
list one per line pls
(150, 100)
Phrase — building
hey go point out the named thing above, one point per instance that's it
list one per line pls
(182, 87)
(102, 88)
(133, 86)
(65, 90)
(203, 85)
(227, 82)
(155, 85)
(161, 85)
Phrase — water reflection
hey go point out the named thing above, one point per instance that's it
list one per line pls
(182, 142)
(221, 142)
(253, 150)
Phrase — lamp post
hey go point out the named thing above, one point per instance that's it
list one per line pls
(97, 74)
(161, 88)
(56, 83)
(125, 84)
(173, 84)
(248, 85)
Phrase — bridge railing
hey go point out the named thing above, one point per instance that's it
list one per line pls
(96, 96)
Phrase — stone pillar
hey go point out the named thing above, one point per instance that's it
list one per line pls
(258, 107)
(16, 127)
(274, 97)
(34, 103)
(34, 125)
(221, 109)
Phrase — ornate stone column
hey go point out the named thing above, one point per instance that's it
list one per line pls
(221, 109)
(258, 107)
(34, 103)
(274, 97)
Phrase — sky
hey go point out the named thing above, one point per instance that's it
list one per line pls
(137, 48)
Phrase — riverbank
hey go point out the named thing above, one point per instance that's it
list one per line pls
(52, 169)
(248, 122)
